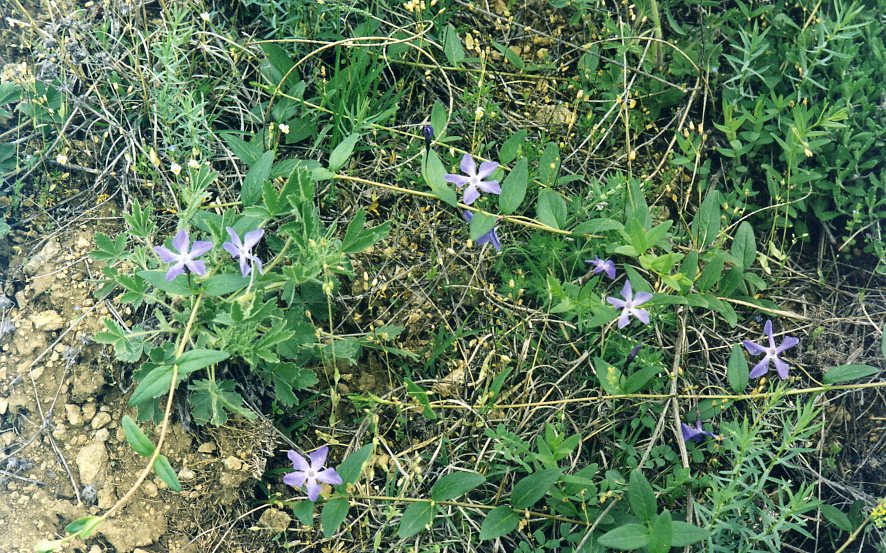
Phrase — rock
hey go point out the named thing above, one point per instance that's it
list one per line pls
(87, 384)
(92, 462)
(100, 420)
(232, 463)
(72, 411)
(4, 405)
(103, 435)
(150, 489)
(208, 447)
(47, 321)
(186, 474)
(49, 253)
(274, 520)
(89, 411)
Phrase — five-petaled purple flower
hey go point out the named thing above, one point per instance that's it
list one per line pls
(696, 433)
(629, 305)
(186, 256)
(491, 236)
(243, 249)
(771, 353)
(311, 473)
(474, 178)
(602, 266)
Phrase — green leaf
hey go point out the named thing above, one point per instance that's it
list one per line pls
(220, 285)
(551, 209)
(166, 473)
(247, 152)
(108, 249)
(706, 223)
(439, 119)
(358, 239)
(251, 192)
(744, 247)
(597, 226)
(416, 392)
(342, 152)
(737, 370)
(454, 485)
(512, 147)
(710, 275)
(83, 527)
(196, 359)
(641, 496)
(334, 513)
(289, 378)
(629, 536)
(529, 490)
(351, 468)
(416, 517)
(499, 522)
(434, 173)
(211, 401)
(513, 189)
(848, 373)
(304, 512)
(137, 439)
(452, 47)
(661, 535)
(126, 348)
(836, 517)
(549, 164)
(481, 224)
(47, 546)
(277, 57)
(684, 534)
(510, 55)
(154, 384)
(177, 286)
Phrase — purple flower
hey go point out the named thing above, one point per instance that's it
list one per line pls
(474, 180)
(602, 266)
(491, 236)
(629, 305)
(186, 256)
(772, 353)
(428, 132)
(243, 249)
(311, 473)
(696, 434)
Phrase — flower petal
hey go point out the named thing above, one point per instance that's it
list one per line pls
(641, 314)
(616, 303)
(496, 243)
(318, 458)
(200, 247)
(789, 342)
(197, 267)
(245, 267)
(487, 168)
(234, 238)
(781, 367)
(295, 479)
(174, 271)
(313, 489)
(689, 433)
(329, 476)
(468, 215)
(253, 237)
(181, 240)
(468, 166)
(767, 330)
(626, 291)
(458, 180)
(623, 319)
(609, 268)
(760, 368)
(257, 264)
(471, 194)
(165, 255)
(641, 298)
(753, 347)
(490, 187)
(298, 462)
(231, 248)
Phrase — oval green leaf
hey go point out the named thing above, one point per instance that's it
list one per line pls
(499, 522)
(848, 373)
(137, 439)
(417, 517)
(455, 485)
(528, 491)
(513, 189)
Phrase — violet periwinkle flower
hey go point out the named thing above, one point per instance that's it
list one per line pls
(428, 132)
(491, 236)
(771, 353)
(311, 473)
(696, 434)
(243, 250)
(602, 266)
(474, 179)
(186, 256)
(629, 305)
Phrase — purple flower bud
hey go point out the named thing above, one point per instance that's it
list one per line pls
(428, 132)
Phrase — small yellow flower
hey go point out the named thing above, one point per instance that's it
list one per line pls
(61, 159)
(193, 163)
(284, 128)
(808, 152)
(175, 168)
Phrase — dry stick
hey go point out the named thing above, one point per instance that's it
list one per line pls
(166, 415)
(679, 350)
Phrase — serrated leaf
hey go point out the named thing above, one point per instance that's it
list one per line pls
(481, 223)
(848, 373)
(529, 490)
(455, 485)
(641, 496)
(251, 192)
(166, 473)
(334, 513)
(136, 439)
(434, 174)
(351, 468)
(211, 401)
(551, 209)
(628, 536)
(417, 517)
(499, 522)
(342, 152)
(737, 370)
(513, 189)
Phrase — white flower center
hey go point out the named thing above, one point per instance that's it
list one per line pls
(312, 473)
